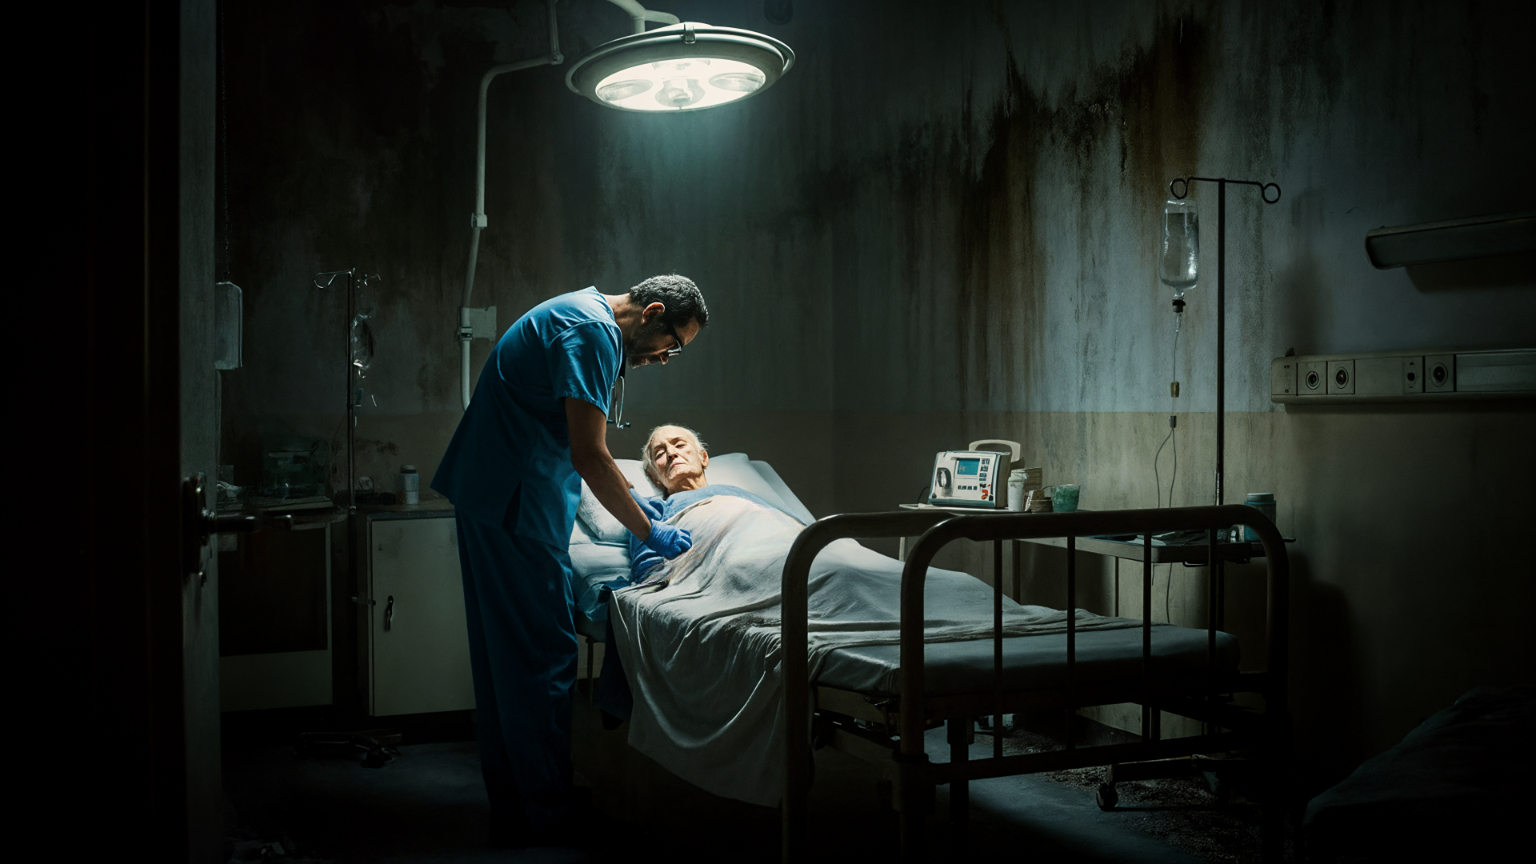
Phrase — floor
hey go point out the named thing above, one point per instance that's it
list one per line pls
(428, 805)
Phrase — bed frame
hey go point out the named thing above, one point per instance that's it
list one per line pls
(864, 725)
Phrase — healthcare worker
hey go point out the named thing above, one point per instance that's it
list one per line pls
(534, 430)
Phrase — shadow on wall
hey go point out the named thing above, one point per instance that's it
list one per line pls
(1299, 302)
(1324, 672)
(1505, 271)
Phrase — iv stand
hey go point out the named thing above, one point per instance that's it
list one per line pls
(354, 399)
(1221, 299)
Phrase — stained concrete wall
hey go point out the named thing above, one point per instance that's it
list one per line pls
(351, 131)
(996, 273)
(940, 227)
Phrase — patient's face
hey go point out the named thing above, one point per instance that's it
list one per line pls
(677, 460)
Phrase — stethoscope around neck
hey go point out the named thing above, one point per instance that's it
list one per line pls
(616, 407)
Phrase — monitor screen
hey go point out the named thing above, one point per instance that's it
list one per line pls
(967, 467)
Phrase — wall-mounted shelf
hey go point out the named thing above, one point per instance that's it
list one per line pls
(1452, 240)
(1404, 376)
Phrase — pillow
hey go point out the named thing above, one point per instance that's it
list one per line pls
(579, 535)
(732, 469)
(634, 472)
(600, 525)
(735, 469)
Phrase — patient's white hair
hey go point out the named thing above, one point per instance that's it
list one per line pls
(645, 450)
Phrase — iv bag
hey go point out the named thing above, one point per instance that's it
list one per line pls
(361, 344)
(1178, 263)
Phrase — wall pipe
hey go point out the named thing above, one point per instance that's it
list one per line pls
(638, 15)
(477, 220)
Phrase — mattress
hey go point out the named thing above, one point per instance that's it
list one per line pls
(596, 565)
(1455, 789)
(1029, 662)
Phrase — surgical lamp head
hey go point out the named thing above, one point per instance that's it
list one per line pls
(682, 67)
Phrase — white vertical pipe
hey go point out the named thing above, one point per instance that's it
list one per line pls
(477, 220)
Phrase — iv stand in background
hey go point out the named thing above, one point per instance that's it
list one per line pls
(1174, 189)
(353, 398)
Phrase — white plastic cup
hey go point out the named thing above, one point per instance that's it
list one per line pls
(1016, 480)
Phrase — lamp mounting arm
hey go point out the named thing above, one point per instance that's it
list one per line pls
(477, 219)
(638, 15)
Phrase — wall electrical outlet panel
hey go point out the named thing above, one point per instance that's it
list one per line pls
(1404, 376)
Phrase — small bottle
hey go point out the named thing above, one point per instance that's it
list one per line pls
(409, 485)
(1016, 481)
(1264, 502)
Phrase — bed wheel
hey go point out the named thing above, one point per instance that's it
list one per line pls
(1107, 796)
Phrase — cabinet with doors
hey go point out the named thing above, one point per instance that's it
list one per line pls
(413, 646)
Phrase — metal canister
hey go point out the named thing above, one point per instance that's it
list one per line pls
(1264, 502)
(408, 483)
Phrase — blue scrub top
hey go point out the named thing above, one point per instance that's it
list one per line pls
(513, 446)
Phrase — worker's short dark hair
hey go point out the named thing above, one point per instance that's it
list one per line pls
(682, 298)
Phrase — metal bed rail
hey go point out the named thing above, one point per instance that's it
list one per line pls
(915, 776)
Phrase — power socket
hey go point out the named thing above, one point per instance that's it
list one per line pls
(1440, 373)
(1413, 374)
(1341, 377)
(1314, 378)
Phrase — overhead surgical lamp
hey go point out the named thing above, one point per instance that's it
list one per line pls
(683, 66)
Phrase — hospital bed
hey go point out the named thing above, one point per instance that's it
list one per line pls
(862, 700)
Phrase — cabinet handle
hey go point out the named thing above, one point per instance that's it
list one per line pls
(389, 611)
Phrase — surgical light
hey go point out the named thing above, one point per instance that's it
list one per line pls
(684, 67)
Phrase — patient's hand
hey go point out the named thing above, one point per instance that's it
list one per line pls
(668, 541)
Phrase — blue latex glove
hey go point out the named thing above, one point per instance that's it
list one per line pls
(668, 541)
(651, 507)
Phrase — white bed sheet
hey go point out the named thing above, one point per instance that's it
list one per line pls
(725, 738)
(598, 563)
(700, 644)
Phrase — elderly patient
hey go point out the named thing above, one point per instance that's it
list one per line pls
(676, 461)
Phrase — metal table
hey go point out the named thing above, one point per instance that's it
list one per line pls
(1130, 547)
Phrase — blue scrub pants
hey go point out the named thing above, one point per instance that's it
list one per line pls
(518, 603)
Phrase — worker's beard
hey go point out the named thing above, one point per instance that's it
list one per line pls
(645, 336)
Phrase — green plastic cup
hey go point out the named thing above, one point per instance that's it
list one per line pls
(1064, 498)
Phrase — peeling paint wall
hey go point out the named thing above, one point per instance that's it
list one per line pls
(941, 226)
(996, 272)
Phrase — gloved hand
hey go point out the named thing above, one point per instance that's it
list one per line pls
(651, 507)
(668, 541)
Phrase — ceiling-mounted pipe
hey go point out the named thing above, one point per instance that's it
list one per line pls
(638, 15)
(477, 220)
(743, 63)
